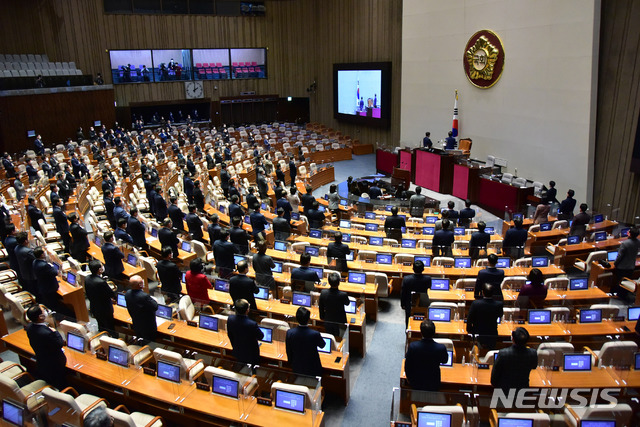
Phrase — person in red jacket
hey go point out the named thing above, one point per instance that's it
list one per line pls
(197, 283)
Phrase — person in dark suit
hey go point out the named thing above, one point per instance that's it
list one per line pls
(580, 222)
(303, 278)
(79, 242)
(331, 305)
(293, 170)
(565, 211)
(442, 240)
(142, 309)
(113, 257)
(109, 207)
(169, 275)
(262, 265)
(284, 204)
(244, 334)
(137, 230)
(302, 345)
(492, 276)
(176, 214)
(214, 229)
(198, 196)
(62, 223)
(121, 232)
(482, 320)
(281, 226)
(552, 193)
(426, 141)
(479, 241)
(307, 200)
(258, 224)
(251, 199)
(279, 173)
(35, 214)
(100, 297)
(414, 283)
(393, 225)
(194, 224)
(223, 251)
(168, 237)
(235, 210)
(25, 258)
(47, 280)
(315, 216)
(238, 236)
(225, 177)
(243, 287)
(47, 344)
(450, 142)
(119, 211)
(10, 244)
(514, 364)
(187, 184)
(338, 251)
(423, 359)
(160, 205)
(514, 240)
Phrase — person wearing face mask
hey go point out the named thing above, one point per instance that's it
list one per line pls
(100, 296)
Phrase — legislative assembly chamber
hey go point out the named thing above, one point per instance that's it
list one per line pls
(320, 213)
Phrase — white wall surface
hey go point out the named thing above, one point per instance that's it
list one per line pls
(540, 115)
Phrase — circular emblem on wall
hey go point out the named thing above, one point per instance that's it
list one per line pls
(483, 59)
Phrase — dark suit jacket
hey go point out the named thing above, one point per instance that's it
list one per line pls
(47, 346)
(46, 276)
(258, 222)
(493, 276)
(160, 207)
(512, 368)
(25, 258)
(579, 224)
(137, 231)
(79, 235)
(168, 238)
(316, 218)
(286, 207)
(281, 228)
(338, 252)
(244, 335)
(514, 237)
(240, 239)
(442, 238)
(413, 283)
(62, 223)
(170, 276)
(223, 251)
(99, 294)
(122, 234)
(241, 286)
(394, 222)
(305, 274)
(331, 305)
(34, 215)
(142, 309)
(177, 216)
(235, 210)
(483, 320)
(194, 224)
(10, 244)
(302, 350)
(109, 207)
(479, 239)
(422, 364)
(306, 200)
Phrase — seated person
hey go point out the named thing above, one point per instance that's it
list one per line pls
(303, 277)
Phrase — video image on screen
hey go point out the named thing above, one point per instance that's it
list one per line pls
(359, 92)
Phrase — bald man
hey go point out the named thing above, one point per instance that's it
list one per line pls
(142, 309)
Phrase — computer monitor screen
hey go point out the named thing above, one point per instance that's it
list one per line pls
(600, 236)
(540, 317)
(409, 243)
(403, 230)
(132, 260)
(71, 278)
(577, 362)
(56, 267)
(518, 216)
(514, 422)
(375, 241)
(312, 250)
(263, 293)
(118, 356)
(360, 278)
(539, 261)
(277, 268)
(267, 334)
(184, 277)
(440, 284)
(458, 231)
(633, 313)
(371, 227)
(433, 419)
(326, 197)
(98, 241)
(545, 226)
(315, 234)
(462, 262)
(319, 272)
(636, 365)
(431, 219)
(346, 238)
(384, 258)
(428, 231)
(247, 219)
(154, 232)
(186, 246)
(350, 256)
(301, 299)
(591, 316)
(345, 224)
(388, 208)
(322, 209)
(168, 371)
(578, 284)
(326, 348)
(238, 258)
(440, 314)
(624, 232)
(75, 342)
(12, 413)
(343, 202)
(224, 386)
(221, 285)
(209, 323)
(449, 361)
(222, 209)
(164, 311)
(425, 260)
(612, 255)
(597, 423)
(503, 262)
(573, 240)
(369, 215)
(490, 230)
(351, 307)
(121, 301)
(280, 246)
(290, 401)
(295, 216)
(598, 218)
(263, 206)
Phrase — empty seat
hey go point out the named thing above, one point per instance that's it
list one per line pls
(190, 369)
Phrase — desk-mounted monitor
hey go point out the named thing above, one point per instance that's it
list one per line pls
(369, 215)
(345, 224)
(598, 218)
(290, 401)
(545, 226)
(431, 219)
(371, 227)
(428, 231)
(573, 240)
(168, 371)
(462, 262)
(503, 262)
(578, 284)
(224, 386)
(592, 315)
(277, 268)
(425, 260)
(440, 284)
(207, 322)
(440, 314)
(384, 258)
(458, 231)
(409, 243)
(315, 234)
(599, 236)
(577, 362)
(375, 241)
(432, 419)
(13, 413)
(539, 261)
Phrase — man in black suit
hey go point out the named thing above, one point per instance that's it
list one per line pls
(169, 275)
(442, 240)
(258, 224)
(514, 240)
(293, 170)
(479, 241)
(331, 305)
(243, 287)
(137, 230)
(514, 364)
(47, 345)
(235, 210)
(492, 276)
(393, 225)
(238, 236)
(79, 240)
(223, 251)
(413, 283)
(565, 211)
(194, 224)
(453, 214)
(214, 229)
(121, 232)
(224, 179)
(168, 237)
(142, 309)
(176, 214)
(100, 297)
(302, 345)
(307, 199)
(46, 279)
(580, 222)
(338, 251)
(10, 244)
(109, 207)
(113, 257)
(281, 227)
(423, 359)
(244, 334)
(466, 215)
(315, 216)
(25, 258)
(62, 223)
(35, 214)
(483, 318)
(160, 205)
(251, 199)
(303, 276)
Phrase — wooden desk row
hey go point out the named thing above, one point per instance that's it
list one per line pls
(182, 403)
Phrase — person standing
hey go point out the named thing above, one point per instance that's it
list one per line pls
(414, 283)
(100, 297)
(625, 262)
(79, 242)
(263, 265)
(423, 359)
(142, 309)
(580, 222)
(338, 251)
(417, 203)
(197, 283)
(25, 257)
(302, 345)
(331, 305)
(46, 279)
(194, 224)
(113, 257)
(47, 344)
(514, 364)
(244, 334)
(482, 320)
(243, 287)
(168, 237)
(426, 141)
(492, 276)
(34, 214)
(223, 251)
(169, 275)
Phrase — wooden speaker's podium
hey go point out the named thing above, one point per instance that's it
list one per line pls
(401, 176)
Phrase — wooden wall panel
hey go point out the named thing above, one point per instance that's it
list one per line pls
(618, 110)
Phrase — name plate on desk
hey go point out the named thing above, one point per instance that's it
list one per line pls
(101, 356)
(555, 368)
(264, 401)
(285, 301)
(418, 317)
(149, 371)
(407, 264)
(570, 321)
(203, 386)
(483, 366)
(468, 289)
(192, 323)
(618, 319)
(368, 261)
(521, 322)
(401, 424)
